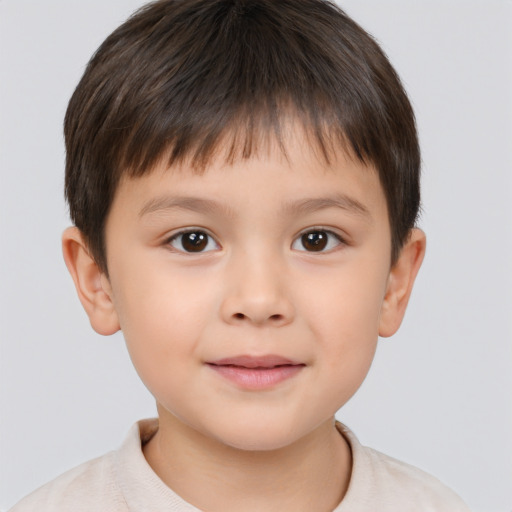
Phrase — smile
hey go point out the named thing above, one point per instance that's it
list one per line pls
(256, 373)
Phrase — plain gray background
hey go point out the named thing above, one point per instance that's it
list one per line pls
(439, 394)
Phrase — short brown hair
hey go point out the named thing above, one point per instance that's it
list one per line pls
(181, 77)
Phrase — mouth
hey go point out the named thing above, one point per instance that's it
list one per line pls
(256, 373)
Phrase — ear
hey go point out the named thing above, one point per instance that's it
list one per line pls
(92, 285)
(400, 282)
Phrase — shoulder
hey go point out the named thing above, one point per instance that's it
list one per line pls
(107, 483)
(117, 482)
(408, 484)
(83, 488)
(391, 485)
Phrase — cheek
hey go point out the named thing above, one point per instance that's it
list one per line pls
(344, 319)
(347, 304)
(162, 317)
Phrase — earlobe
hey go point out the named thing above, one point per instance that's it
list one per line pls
(400, 283)
(92, 286)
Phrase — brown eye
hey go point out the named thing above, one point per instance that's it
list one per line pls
(193, 241)
(317, 240)
(314, 240)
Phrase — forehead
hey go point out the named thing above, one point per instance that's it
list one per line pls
(290, 169)
(284, 135)
(288, 140)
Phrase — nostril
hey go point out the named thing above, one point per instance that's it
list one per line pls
(275, 318)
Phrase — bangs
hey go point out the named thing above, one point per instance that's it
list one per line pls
(246, 135)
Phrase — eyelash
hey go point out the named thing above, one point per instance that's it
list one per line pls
(322, 244)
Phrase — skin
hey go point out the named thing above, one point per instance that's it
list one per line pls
(255, 290)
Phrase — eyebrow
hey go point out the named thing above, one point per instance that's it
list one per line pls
(194, 204)
(301, 206)
(342, 201)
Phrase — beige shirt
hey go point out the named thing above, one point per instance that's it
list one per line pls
(122, 481)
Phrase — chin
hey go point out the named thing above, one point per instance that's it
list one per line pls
(258, 437)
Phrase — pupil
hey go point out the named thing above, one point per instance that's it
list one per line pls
(194, 242)
(314, 241)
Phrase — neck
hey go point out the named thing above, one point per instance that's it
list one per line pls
(310, 474)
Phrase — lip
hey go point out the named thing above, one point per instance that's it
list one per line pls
(256, 372)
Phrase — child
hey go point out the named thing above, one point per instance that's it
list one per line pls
(243, 177)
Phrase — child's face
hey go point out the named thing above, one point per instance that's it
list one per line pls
(212, 274)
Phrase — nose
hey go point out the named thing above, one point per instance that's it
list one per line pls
(257, 292)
